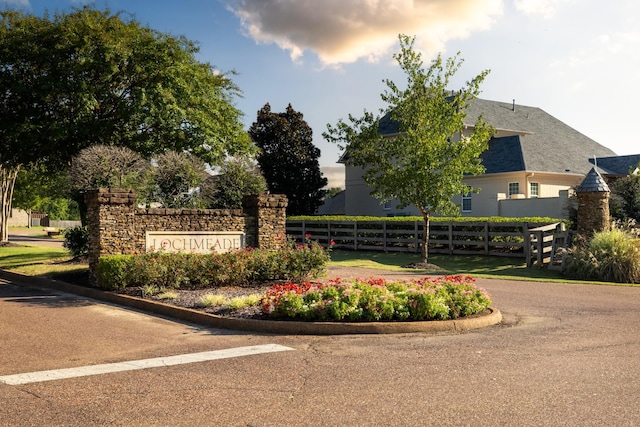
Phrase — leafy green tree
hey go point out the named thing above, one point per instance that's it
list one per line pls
(37, 189)
(238, 176)
(424, 164)
(288, 158)
(70, 81)
(626, 193)
(177, 177)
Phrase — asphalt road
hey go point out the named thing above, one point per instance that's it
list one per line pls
(565, 355)
(22, 236)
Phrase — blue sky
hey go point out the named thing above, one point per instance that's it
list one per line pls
(578, 60)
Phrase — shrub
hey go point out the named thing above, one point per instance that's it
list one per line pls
(610, 256)
(441, 298)
(196, 271)
(111, 271)
(76, 241)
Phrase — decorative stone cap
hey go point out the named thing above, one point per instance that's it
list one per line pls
(593, 183)
(265, 200)
(112, 196)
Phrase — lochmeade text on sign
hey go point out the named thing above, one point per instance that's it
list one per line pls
(201, 242)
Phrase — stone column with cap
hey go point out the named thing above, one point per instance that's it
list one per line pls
(593, 204)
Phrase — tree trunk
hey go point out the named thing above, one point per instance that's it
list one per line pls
(7, 181)
(424, 251)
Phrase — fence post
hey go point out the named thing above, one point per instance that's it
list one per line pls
(384, 236)
(527, 244)
(355, 235)
(540, 257)
(486, 238)
(417, 238)
(450, 230)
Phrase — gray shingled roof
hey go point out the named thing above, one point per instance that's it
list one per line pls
(545, 145)
(503, 155)
(593, 183)
(552, 145)
(618, 165)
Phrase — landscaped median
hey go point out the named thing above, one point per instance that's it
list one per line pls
(284, 291)
(489, 316)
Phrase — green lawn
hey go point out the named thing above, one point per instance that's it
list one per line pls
(43, 261)
(477, 266)
(19, 256)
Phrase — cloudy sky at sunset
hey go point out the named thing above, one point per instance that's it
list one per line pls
(578, 60)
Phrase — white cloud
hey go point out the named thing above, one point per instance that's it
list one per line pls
(612, 49)
(544, 8)
(343, 31)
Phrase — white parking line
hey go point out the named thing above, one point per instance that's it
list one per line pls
(83, 371)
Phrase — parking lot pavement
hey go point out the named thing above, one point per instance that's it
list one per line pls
(565, 355)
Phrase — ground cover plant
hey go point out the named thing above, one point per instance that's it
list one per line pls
(359, 300)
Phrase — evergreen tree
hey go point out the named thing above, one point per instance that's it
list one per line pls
(289, 160)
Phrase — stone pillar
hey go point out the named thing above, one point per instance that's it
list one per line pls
(593, 204)
(108, 212)
(266, 220)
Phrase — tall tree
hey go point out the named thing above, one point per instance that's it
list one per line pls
(92, 77)
(425, 162)
(288, 158)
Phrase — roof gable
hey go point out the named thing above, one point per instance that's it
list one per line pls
(617, 165)
(536, 140)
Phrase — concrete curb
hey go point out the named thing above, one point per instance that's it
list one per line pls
(262, 326)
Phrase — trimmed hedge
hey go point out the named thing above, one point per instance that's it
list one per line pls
(497, 219)
(196, 271)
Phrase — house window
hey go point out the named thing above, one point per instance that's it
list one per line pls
(534, 189)
(514, 188)
(386, 206)
(466, 202)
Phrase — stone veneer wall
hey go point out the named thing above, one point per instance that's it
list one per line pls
(593, 212)
(117, 226)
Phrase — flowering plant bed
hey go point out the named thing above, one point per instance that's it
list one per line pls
(351, 300)
(375, 300)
